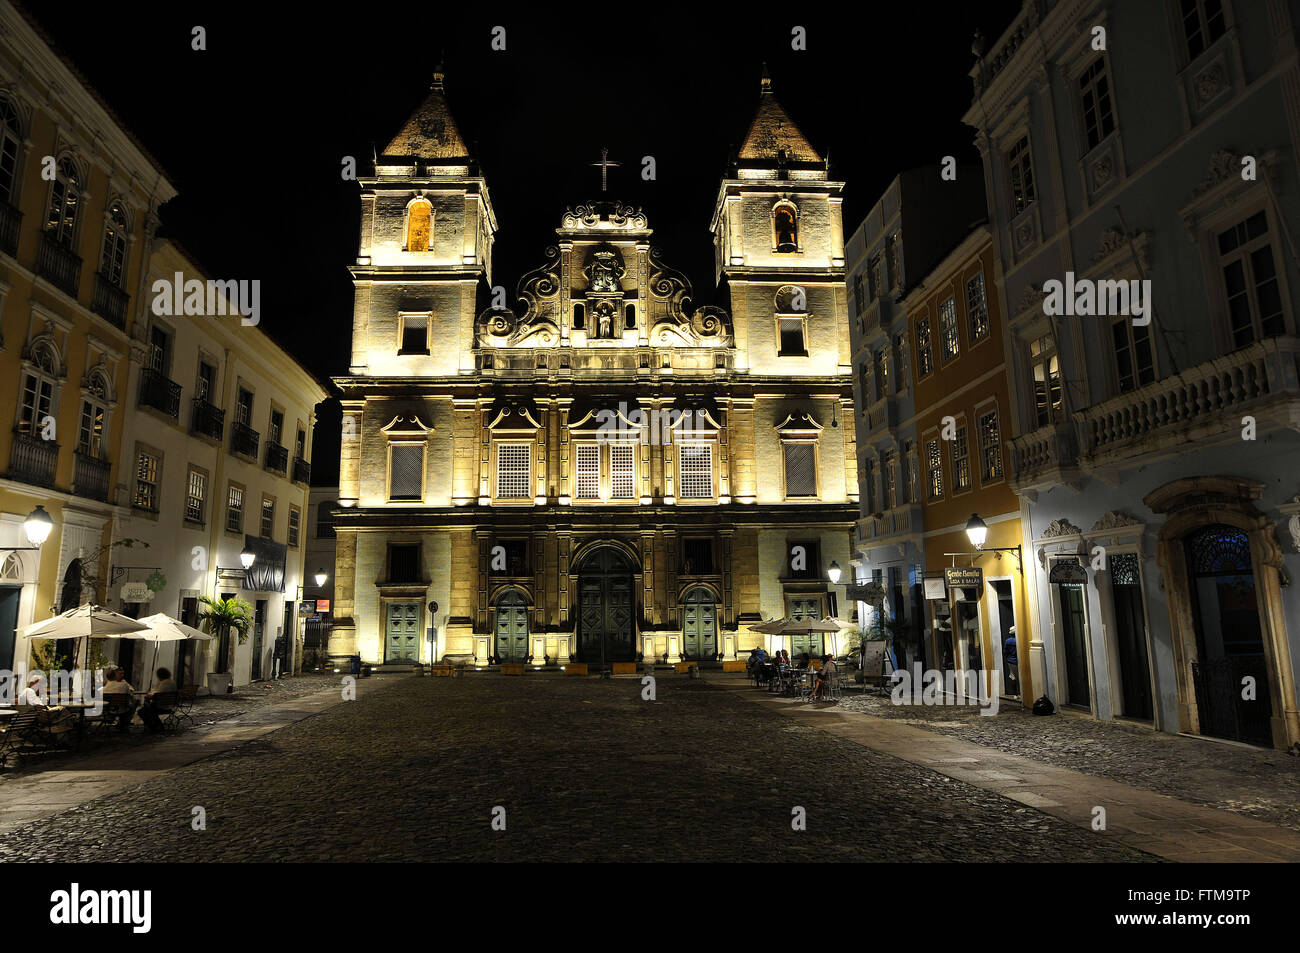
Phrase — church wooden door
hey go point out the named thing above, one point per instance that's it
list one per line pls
(512, 628)
(605, 630)
(699, 625)
(402, 639)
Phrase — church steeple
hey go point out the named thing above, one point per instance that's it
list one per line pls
(430, 132)
(773, 136)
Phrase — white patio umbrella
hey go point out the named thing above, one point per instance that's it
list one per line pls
(806, 626)
(771, 627)
(161, 627)
(83, 622)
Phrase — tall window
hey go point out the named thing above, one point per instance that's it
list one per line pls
(791, 332)
(268, 517)
(1134, 357)
(924, 349)
(1094, 99)
(415, 334)
(325, 519)
(949, 338)
(1250, 281)
(65, 202)
(205, 383)
(890, 474)
(895, 264)
(911, 475)
(10, 136)
(859, 299)
(514, 471)
(419, 226)
(977, 308)
(146, 482)
(1046, 373)
(586, 460)
(90, 431)
(113, 262)
(869, 484)
(159, 349)
(934, 469)
(235, 509)
(295, 519)
(1022, 176)
(900, 361)
(196, 494)
(38, 391)
(244, 407)
(406, 471)
(881, 360)
(990, 435)
(873, 272)
(800, 469)
(622, 470)
(695, 466)
(864, 380)
(1203, 23)
(276, 430)
(960, 460)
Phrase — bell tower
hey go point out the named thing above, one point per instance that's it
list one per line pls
(779, 244)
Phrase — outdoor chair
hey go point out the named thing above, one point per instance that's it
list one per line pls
(184, 705)
(116, 704)
(30, 731)
(164, 706)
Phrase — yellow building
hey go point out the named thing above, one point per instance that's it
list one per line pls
(958, 364)
(78, 198)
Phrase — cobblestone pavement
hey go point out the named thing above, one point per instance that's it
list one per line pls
(1257, 782)
(585, 769)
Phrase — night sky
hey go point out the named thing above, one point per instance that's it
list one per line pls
(253, 130)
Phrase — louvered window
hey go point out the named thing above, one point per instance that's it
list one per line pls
(695, 462)
(622, 471)
(407, 472)
(800, 470)
(960, 461)
(587, 473)
(514, 471)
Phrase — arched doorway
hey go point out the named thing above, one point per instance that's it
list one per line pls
(511, 627)
(606, 623)
(700, 624)
(69, 598)
(1229, 639)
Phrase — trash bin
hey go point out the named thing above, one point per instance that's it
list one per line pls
(355, 666)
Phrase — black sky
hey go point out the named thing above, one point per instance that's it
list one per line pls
(253, 130)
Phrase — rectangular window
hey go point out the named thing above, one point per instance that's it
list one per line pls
(204, 384)
(268, 518)
(695, 466)
(586, 484)
(949, 339)
(235, 509)
(406, 480)
(38, 396)
(146, 482)
(977, 308)
(622, 471)
(960, 461)
(514, 471)
(900, 361)
(1022, 176)
(1254, 298)
(404, 562)
(874, 285)
(244, 407)
(792, 337)
(90, 433)
(990, 447)
(864, 383)
(697, 557)
(1046, 373)
(800, 469)
(869, 480)
(911, 477)
(1094, 99)
(159, 349)
(300, 444)
(1134, 358)
(8, 165)
(514, 558)
(881, 359)
(934, 469)
(895, 264)
(276, 430)
(196, 495)
(891, 479)
(295, 519)
(859, 298)
(1203, 23)
(924, 349)
(325, 520)
(805, 559)
(415, 334)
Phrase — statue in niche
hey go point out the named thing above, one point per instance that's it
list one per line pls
(604, 271)
(604, 320)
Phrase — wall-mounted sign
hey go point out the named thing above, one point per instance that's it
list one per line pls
(958, 576)
(136, 592)
(307, 607)
(322, 605)
(935, 588)
(1069, 571)
(870, 593)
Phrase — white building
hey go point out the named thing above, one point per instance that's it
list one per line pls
(320, 548)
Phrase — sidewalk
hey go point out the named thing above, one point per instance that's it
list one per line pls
(74, 780)
(1155, 823)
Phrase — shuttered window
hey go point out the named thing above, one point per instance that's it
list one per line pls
(514, 471)
(622, 471)
(800, 470)
(587, 472)
(407, 477)
(695, 463)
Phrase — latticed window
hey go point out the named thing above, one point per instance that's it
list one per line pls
(90, 432)
(38, 398)
(891, 479)
(800, 469)
(695, 464)
(934, 469)
(1203, 23)
(235, 509)
(1094, 97)
(1255, 308)
(924, 349)
(960, 461)
(990, 446)
(10, 136)
(294, 521)
(1125, 570)
(1046, 372)
(622, 471)
(146, 482)
(407, 478)
(419, 226)
(911, 476)
(881, 359)
(1134, 357)
(949, 340)
(196, 494)
(268, 517)
(514, 471)
(1022, 176)
(977, 308)
(113, 262)
(65, 201)
(586, 471)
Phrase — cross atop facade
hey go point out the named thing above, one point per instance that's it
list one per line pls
(604, 164)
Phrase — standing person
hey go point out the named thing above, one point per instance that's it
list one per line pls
(149, 711)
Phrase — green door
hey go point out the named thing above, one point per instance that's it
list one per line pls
(402, 641)
(699, 625)
(512, 628)
(810, 642)
(1074, 639)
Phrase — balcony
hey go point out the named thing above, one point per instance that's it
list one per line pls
(244, 440)
(890, 525)
(882, 413)
(1044, 458)
(11, 221)
(160, 392)
(301, 471)
(277, 458)
(90, 477)
(58, 265)
(207, 420)
(33, 460)
(110, 302)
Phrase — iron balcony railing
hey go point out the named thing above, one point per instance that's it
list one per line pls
(160, 392)
(59, 265)
(11, 221)
(301, 471)
(90, 477)
(244, 440)
(207, 420)
(33, 460)
(277, 457)
(110, 301)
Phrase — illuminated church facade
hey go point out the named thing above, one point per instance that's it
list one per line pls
(594, 469)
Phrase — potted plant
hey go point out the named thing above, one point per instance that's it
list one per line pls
(220, 618)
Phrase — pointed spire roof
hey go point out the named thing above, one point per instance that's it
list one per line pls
(773, 131)
(431, 132)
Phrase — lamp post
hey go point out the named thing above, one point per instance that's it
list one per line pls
(977, 531)
(320, 577)
(833, 573)
(37, 526)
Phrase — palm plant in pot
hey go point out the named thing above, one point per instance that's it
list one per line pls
(221, 617)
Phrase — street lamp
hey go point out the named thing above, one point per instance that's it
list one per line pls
(38, 526)
(320, 577)
(247, 558)
(834, 573)
(977, 530)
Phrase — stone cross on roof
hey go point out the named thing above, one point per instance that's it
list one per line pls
(604, 165)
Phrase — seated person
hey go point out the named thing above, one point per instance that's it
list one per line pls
(824, 676)
(34, 696)
(117, 685)
(149, 710)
